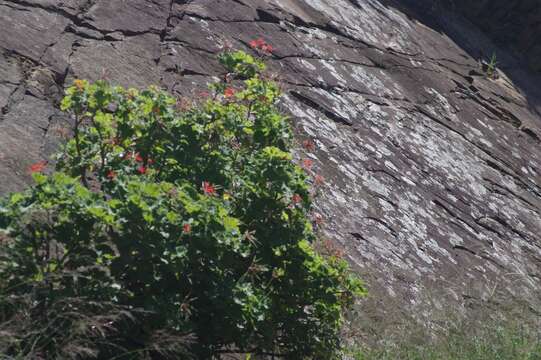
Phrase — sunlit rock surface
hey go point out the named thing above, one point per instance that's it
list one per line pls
(433, 169)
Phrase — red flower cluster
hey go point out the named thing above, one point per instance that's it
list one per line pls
(319, 180)
(141, 169)
(138, 157)
(186, 228)
(296, 199)
(260, 44)
(111, 175)
(308, 145)
(208, 188)
(229, 92)
(37, 167)
(307, 164)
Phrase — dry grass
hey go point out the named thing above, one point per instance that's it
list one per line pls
(489, 328)
(491, 341)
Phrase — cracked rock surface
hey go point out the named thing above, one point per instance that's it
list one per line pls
(432, 168)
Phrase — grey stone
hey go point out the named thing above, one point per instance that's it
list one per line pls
(433, 169)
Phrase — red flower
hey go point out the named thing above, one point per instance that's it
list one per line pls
(229, 92)
(258, 43)
(208, 188)
(142, 170)
(37, 167)
(319, 180)
(308, 145)
(128, 156)
(111, 175)
(307, 164)
(186, 228)
(267, 48)
(138, 157)
(296, 199)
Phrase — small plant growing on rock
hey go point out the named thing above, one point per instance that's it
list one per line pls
(490, 67)
(188, 224)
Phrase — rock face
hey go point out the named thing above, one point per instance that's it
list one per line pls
(432, 168)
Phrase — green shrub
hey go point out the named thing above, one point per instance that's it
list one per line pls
(190, 217)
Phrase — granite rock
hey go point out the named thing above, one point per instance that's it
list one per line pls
(432, 167)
